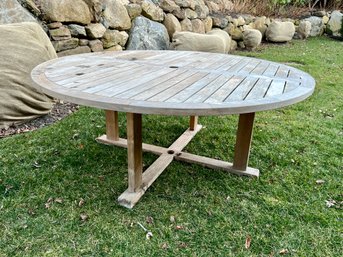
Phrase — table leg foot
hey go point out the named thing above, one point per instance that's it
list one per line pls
(128, 198)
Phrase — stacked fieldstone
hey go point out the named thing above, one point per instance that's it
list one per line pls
(81, 26)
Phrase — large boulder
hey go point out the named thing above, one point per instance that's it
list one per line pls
(215, 41)
(12, 12)
(113, 38)
(23, 46)
(201, 9)
(317, 26)
(279, 32)
(235, 32)
(172, 24)
(76, 11)
(115, 15)
(198, 26)
(304, 29)
(169, 6)
(152, 11)
(260, 24)
(334, 26)
(186, 25)
(252, 38)
(147, 35)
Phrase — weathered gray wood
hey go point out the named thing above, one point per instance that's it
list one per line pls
(259, 90)
(277, 87)
(186, 157)
(125, 85)
(159, 88)
(171, 91)
(215, 164)
(207, 91)
(225, 90)
(242, 90)
(138, 89)
(168, 82)
(192, 89)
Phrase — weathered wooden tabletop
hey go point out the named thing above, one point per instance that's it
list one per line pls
(173, 82)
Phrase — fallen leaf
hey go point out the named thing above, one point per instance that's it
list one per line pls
(149, 220)
(36, 165)
(59, 200)
(182, 245)
(330, 203)
(8, 188)
(172, 219)
(81, 202)
(31, 212)
(283, 251)
(48, 203)
(320, 181)
(247, 242)
(164, 246)
(148, 235)
(83, 216)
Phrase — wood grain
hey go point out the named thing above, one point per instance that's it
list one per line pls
(134, 151)
(243, 141)
(173, 82)
(112, 127)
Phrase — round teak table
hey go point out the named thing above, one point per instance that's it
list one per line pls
(172, 83)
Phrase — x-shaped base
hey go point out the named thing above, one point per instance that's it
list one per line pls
(140, 181)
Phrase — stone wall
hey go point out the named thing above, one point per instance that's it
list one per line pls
(81, 26)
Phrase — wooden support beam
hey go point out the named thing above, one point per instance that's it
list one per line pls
(138, 187)
(128, 199)
(112, 127)
(243, 141)
(193, 122)
(134, 151)
(215, 164)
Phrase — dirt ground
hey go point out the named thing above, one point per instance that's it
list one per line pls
(59, 111)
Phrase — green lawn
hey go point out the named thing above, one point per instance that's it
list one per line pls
(191, 211)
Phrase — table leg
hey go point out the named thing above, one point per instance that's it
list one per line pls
(134, 151)
(193, 122)
(243, 141)
(112, 128)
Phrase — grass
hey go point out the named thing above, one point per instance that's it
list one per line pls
(191, 211)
